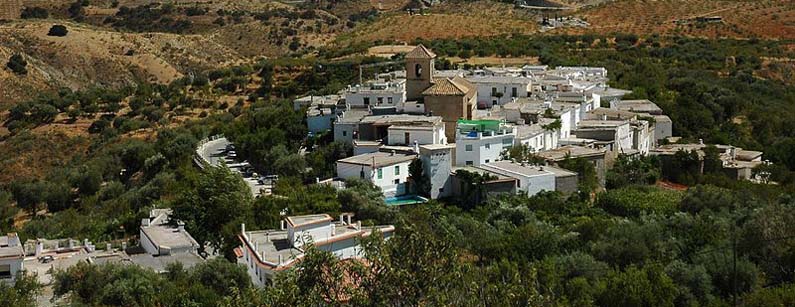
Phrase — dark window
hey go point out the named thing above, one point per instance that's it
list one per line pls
(513, 92)
(367, 101)
(418, 70)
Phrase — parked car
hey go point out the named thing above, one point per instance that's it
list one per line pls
(46, 259)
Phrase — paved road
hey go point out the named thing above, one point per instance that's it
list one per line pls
(213, 152)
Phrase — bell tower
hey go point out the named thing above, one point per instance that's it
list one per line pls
(419, 72)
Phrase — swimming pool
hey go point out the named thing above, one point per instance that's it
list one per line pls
(405, 200)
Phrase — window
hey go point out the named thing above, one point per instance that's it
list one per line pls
(380, 100)
(487, 160)
(397, 170)
(493, 92)
(488, 146)
(389, 100)
(469, 163)
(344, 133)
(441, 190)
(5, 271)
(367, 101)
(397, 181)
(468, 147)
(513, 92)
(381, 173)
(418, 70)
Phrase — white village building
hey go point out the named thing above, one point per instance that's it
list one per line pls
(265, 253)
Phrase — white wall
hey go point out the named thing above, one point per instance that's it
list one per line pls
(314, 232)
(356, 99)
(484, 149)
(15, 265)
(147, 244)
(320, 123)
(565, 124)
(433, 135)
(624, 137)
(387, 181)
(485, 94)
(343, 132)
(529, 184)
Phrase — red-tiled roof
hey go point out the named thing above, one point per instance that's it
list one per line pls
(455, 86)
(420, 53)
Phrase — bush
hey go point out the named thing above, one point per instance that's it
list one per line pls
(634, 200)
(35, 12)
(17, 64)
(58, 30)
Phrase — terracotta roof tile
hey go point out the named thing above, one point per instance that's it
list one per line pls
(455, 86)
(420, 53)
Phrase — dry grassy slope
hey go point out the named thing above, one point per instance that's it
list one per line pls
(449, 20)
(89, 56)
(742, 18)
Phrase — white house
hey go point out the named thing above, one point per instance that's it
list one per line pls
(482, 141)
(265, 253)
(378, 93)
(536, 137)
(408, 135)
(531, 178)
(386, 170)
(437, 163)
(159, 238)
(500, 89)
(11, 256)
(616, 131)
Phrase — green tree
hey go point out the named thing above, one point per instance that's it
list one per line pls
(213, 206)
(420, 182)
(22, 293)
(644, 286)
(630, 171)
(17, 64)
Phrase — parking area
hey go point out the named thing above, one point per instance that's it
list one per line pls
(221, 150)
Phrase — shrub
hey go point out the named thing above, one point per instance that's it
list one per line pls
(17, 64)
(634, 200)
(58, 30)
(35, 12)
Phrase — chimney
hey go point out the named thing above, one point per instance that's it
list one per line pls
(107, 247)
(701, 141)
(733, 152)
(604, 116)
(342, 219)
(416, 147)
(39, 248)
(124, 246)
(349, 218)
(145, 222)
(358, 225)
(180, 226)
(392, 153)
(333, 229)
(283, 226)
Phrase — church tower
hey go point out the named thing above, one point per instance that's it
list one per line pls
(419, 72)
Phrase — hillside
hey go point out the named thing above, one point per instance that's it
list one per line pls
(771, 19)
(88, 56)
(451, 19)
